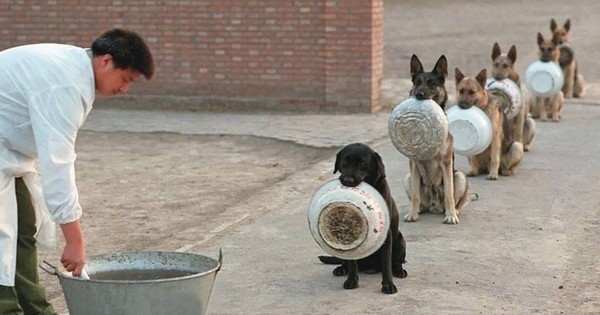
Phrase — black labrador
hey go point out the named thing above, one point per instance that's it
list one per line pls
(356, 163)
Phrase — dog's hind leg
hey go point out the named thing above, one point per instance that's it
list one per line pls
(512, 159)
(352, 280)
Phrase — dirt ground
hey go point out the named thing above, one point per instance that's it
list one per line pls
(168, 191)
(149, 189)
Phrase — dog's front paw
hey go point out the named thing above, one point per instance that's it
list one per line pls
(451, 219)
(412, 216)
(492, 176)
(340, 271)
(389, 288)
(472, 173)
(351, 284)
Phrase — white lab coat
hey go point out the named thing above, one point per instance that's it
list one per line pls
(46, 93)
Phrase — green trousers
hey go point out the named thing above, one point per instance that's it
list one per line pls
(27, 297)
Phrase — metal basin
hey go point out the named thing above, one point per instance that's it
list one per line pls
(141, 283)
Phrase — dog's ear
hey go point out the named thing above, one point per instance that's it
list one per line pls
(555, 40)
(553, 25)
(338, 158)
(540, 39)
(496, 51)
(482, 77)
(379, 167)
(567, 25)
(441, 66)
(415, 66)
(458, 75)
(512, 54)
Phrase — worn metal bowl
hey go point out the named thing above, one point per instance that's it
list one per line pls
(418, 128)
(471, 129)
(512, 90)
(348, 222)
(544, 79)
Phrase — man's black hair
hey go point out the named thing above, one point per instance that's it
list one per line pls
(128, 50)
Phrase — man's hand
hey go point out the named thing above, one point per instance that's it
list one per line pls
(73, 257)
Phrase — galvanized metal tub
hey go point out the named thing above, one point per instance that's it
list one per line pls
(141, 283)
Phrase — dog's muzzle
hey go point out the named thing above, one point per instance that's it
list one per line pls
(464, 106)
(349, 181)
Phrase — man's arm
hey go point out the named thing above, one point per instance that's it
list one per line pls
(74, 256)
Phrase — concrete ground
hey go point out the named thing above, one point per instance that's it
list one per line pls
(200, 182)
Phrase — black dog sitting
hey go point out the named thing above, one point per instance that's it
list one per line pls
(357, 163)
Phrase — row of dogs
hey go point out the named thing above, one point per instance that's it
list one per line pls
(435, 185)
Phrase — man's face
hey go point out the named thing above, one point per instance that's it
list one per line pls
(110, 80)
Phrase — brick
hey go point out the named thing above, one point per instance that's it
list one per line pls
(299, 54)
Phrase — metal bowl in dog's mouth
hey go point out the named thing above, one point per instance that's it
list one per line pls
(348, 222)
(418, 128)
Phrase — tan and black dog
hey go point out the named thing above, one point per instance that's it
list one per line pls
(522, 126)
(429, 85)
(551, 106)
(504, 154)
(434, 185)
(574, 85)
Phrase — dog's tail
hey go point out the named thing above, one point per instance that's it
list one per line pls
(330, 260)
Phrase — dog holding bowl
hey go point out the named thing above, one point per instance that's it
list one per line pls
(521, 125)
(544, 79)
(503, 155)
(355, 219)
(418, 128)
(574, 85)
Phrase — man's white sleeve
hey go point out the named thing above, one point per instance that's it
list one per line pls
(56, 116)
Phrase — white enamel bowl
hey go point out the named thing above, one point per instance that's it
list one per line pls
(544, 78)
(471, 129)
(512, 90)
(418, 128)
(348, 222)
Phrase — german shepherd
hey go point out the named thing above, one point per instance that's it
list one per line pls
(429, 85)
(503, 154)
(433, 185)
(574, 85)
(551, 106)
(522, 126)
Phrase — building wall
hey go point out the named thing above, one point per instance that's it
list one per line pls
(304, 55)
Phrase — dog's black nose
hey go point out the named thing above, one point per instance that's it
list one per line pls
(420, 95)
(348, 181)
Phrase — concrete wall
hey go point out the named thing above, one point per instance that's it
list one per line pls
(301, 55)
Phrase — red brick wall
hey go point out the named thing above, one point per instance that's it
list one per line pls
(306, 55)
